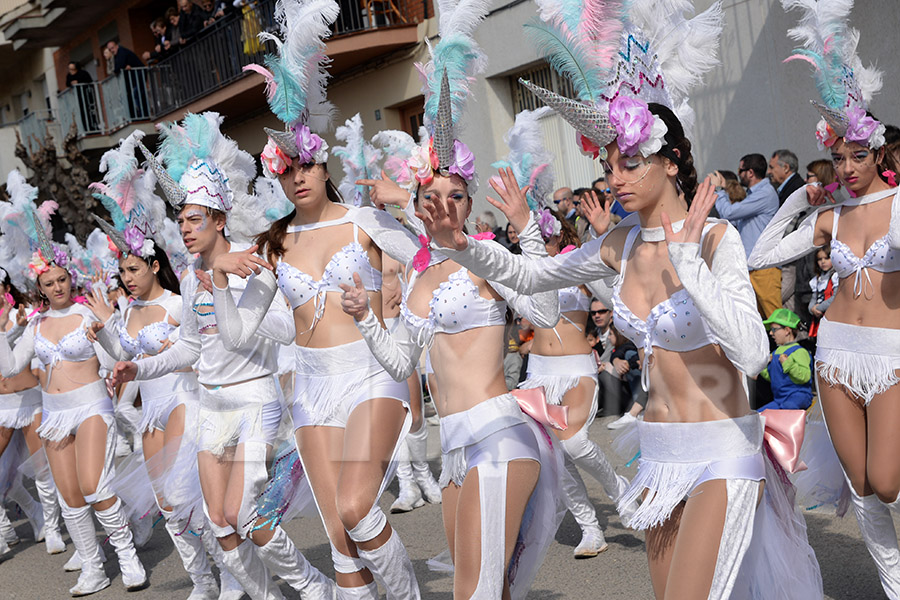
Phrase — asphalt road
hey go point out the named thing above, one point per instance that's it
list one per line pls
(618, 574)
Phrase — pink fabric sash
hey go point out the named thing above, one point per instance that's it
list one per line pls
(784, 435)
(533, 403)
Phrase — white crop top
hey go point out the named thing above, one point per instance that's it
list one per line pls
(879, 257)
(673, 324)
(455, 306)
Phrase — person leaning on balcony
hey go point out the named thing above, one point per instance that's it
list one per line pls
(123, 58)
(76, 75)
(190, 20)
(163, 42)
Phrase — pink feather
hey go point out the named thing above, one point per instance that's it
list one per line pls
(601, 24)
(801, 57)
(271, 86)
(127, 195)
(536, 173)
(47, 208)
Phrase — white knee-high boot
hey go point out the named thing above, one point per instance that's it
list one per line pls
(283, 558)
(46, 490)
(364, 592)
(410, 497)
(877, 528)
(250, 571)
(193, 558)
(116, 525)
(229, 588)
(417, 442)
(579, 504)
(84, 537)
(389, 563)
(587, 455)
(32, 509)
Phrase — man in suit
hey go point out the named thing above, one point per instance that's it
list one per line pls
(783, 172)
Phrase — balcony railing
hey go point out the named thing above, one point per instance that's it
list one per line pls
(213, 60)
(33, 129)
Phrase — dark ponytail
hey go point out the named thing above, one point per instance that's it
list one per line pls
(166, 275)
(677, 148)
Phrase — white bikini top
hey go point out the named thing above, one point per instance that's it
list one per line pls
(880, 256)
(150, 338)
(572, 299)
(299, 287)
(455, 306)
(673, 324)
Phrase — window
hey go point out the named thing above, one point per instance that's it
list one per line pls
(412, 115)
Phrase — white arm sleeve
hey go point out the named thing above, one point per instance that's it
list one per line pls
(542, 308)
(398, 354)
(185, 351)
(109, 339)
(14, 360)
(14, 333)
(528, 276)
(894, 229)
(725, 299)
(388, 234)
(256, 311)
(773, 248)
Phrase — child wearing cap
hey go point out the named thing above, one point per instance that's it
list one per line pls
(789, 369)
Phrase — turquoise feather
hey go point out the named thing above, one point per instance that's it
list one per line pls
(456, 53)
(112, 207)
(289, 99)
(567, 58)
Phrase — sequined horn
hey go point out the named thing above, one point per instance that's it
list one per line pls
(587, 120)
(44, 243)
(285, 140)
(835, 118)
(112, 233)
(443, 128)
(174, 193)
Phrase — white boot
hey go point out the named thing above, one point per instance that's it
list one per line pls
(588, 455)
(7, 531)
(579, 504)
(417, 442)
(142, 530)
(251, 572)
(193, 558)
(409, 497)
(229, 588)
(46, 490)
(877, 528)
(74, 562)
(84, 538)
(116, 526)
(365, 592)
(390, 565)
(32, 508)
(283, 559)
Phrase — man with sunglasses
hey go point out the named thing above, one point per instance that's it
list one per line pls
(750, 216)
(604, 193)
(564, 199)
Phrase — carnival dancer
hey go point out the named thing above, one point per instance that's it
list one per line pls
(858, 342)
(145, 328)
(359, 160)
(702, 465)
(348, 414)
(77, 425)
(20, 410)
(561, 361)
(240, 404)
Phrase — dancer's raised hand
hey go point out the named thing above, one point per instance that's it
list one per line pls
(598, 212)
(96, 301)
(704, 200)
(355, 299)
(384, 192)
(443, 226)
(513, 202)
(243, 264)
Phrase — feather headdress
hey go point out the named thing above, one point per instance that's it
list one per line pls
(398, 147)
(25, 221)
(296, 82)
(127, 194)
(359, 159)
(455, 61)
(528, 158)
(621, 56)
(828, 43)
(206, 167)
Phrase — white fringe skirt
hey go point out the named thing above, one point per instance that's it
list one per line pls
(64, 412)
(159, 397)
(18, 409)
(864, 360)
(331, 382)
(558, 374)
(243, 412)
